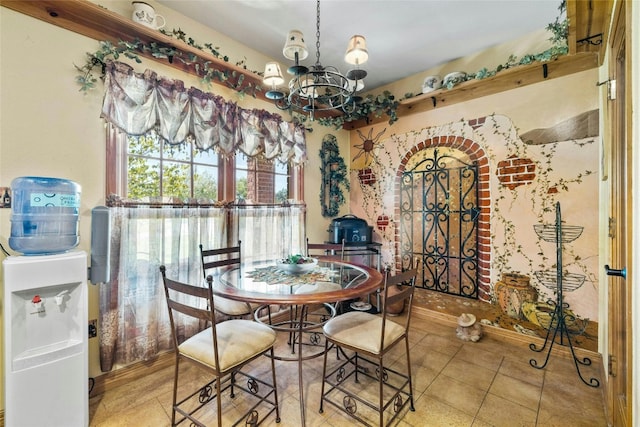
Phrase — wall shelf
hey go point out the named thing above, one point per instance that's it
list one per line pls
(512, 78)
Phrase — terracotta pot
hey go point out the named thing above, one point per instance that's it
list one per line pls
(512, 291)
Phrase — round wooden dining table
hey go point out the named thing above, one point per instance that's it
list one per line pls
(329, 282)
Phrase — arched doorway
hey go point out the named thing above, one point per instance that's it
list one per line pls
(443, 216)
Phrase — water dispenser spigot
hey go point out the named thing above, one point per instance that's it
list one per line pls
(59, 299)
(37, 302)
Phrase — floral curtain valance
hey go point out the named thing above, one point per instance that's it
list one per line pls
(139, 102)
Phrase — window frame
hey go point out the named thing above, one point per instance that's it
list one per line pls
(116, 164)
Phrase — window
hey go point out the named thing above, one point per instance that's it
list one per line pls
(157, 169)
(146, 168)
(261, 181)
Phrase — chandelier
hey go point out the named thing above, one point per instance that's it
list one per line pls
(319, 88)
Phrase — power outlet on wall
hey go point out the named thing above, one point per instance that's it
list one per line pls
(93, 328)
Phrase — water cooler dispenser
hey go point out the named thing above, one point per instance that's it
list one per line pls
(45, 309)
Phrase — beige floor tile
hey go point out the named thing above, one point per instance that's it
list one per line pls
(432, 412)
(556, 419)
(522, 370)
(428, 357)
(499, 412)
(456, 394)
(517, 391)
(469, 373)
(422, 379)
(474, 354)
(148, 414)
(442, 344)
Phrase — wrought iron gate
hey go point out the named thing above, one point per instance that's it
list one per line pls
(439, 223)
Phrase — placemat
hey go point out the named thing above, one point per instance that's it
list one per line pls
(273, 276)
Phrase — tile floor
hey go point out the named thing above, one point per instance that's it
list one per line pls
(456, 383)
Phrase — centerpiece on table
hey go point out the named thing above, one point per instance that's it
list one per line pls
(297, 264)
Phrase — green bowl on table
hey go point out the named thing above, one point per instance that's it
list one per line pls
(297, 264)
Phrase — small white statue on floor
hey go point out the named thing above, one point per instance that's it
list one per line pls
(468, 329)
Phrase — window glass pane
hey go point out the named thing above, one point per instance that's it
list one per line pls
(143, 178)
(205, 182)
(281, 188)
(144, 145)
(281, 168)
(208, 157)
(176, 180)
(184, 171)
(154, 169)
(261, 181)
(241, 162)
(177, 152)
(241, 184)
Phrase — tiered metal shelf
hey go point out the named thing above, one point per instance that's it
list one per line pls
(561, 323)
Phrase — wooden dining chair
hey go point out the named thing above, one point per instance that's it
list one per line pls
(214, 260)
(370, 337)
(223, 350)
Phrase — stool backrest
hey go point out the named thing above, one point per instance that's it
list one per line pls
(192, 301)
(221, 257)
(335, 250)
(407, 282)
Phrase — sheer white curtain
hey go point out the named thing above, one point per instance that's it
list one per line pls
(134, 321)
(269, 232)
(133, 313)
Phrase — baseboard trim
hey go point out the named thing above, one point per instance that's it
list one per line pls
(118, 377)
(506, 335)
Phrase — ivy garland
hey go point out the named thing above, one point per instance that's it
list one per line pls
(87, 78)
(371, 105)
(334, 175)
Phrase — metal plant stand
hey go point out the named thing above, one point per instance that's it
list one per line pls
(561, 323)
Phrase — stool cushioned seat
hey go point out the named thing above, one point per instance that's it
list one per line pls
(224, 351)
(256, 338)
(361, 330)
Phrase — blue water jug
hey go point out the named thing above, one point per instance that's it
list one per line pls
(44, 215)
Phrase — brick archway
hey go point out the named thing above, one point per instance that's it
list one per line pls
(477, 154)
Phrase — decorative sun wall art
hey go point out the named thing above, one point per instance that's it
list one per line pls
(366, 152)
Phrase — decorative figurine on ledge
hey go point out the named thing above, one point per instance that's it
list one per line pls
(468, 329)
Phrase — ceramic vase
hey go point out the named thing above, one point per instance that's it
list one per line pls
(512, 291)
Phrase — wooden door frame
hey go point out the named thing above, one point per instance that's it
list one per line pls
(621, 114)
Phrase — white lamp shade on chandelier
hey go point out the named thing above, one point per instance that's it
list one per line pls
(272, 74)
(357, 52)
(295, 45)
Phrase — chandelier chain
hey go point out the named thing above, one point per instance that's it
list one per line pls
(318, 33)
